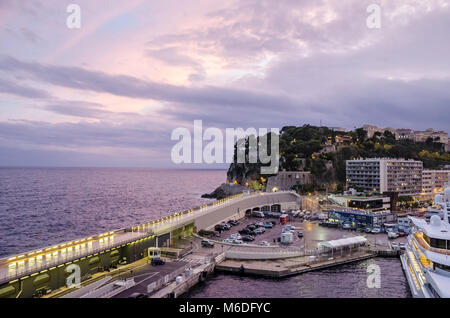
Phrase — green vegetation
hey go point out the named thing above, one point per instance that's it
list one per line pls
(324, 152)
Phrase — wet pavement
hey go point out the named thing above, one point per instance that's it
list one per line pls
(313, 234)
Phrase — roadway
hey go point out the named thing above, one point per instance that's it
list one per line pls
(28, 263)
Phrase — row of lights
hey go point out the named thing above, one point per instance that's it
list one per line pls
(179, 215)
(54, 250)
(112, 249)
(37, 256)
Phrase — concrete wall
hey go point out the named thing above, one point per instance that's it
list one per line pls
(56, 277)
(236, 210)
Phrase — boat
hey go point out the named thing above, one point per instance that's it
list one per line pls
(426, 259)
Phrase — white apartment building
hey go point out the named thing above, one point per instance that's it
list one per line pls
(433, 181)
(385, 175)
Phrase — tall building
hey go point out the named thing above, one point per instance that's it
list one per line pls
(434, 181)
(385, 175)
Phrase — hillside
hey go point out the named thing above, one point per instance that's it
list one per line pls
(323, 152)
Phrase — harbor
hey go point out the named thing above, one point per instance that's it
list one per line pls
(116, 264)
(260, 234)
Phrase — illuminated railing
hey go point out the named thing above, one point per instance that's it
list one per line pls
(34, 262)
(16, 270)
(418, 272)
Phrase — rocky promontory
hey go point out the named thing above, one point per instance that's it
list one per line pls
(225, 190)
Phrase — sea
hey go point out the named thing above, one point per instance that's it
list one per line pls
(40, 207)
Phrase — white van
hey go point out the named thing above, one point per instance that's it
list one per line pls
(258, 214)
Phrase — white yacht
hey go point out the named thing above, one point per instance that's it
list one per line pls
(426, 261)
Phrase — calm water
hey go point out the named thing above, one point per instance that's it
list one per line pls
(41, 207)
(343, 281)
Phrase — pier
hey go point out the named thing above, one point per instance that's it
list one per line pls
(40, 272)
(290, 266)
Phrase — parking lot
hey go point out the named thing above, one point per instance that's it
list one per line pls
(312, 232)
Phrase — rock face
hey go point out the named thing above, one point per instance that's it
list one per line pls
(224, 191)
(244, 172)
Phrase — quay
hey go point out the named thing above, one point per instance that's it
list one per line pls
(287, 267)
(41, 272)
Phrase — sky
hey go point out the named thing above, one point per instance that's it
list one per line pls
(111, 92)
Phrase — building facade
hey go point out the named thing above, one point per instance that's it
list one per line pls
(371, 130)
(361, 219)
(285, 180)
(385, 175)
(362, 202)
(415, 135)
(434, 181)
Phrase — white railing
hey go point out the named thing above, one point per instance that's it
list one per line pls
(247, 255)
(8, 276)
(87, 289)
(166, 279)
(111, 289)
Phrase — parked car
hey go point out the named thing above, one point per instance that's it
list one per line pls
(264, 243)
(238, 242)
(268, 225)
(299, 234)
(157, 262)
(233, 223)
(402, 246)
(258, 214)
(346, 226)
(392, 235)
(245, 231)
(260, 230)
(225, 226)
(208, 244)
(395, 245)
(376, 230)
(402, 234)
(228, 240)
(248, 238)
(220, 228)
(251, 227)
(368, 230)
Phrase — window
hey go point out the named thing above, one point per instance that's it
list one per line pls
(443, 267)
(437, 243)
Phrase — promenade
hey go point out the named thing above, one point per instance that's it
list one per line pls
(29, 263)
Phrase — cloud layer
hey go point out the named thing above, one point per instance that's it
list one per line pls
(123, 81)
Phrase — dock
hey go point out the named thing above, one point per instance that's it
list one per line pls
(287, 267)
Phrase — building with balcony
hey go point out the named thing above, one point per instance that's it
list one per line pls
(434, 181)
(385, 175)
